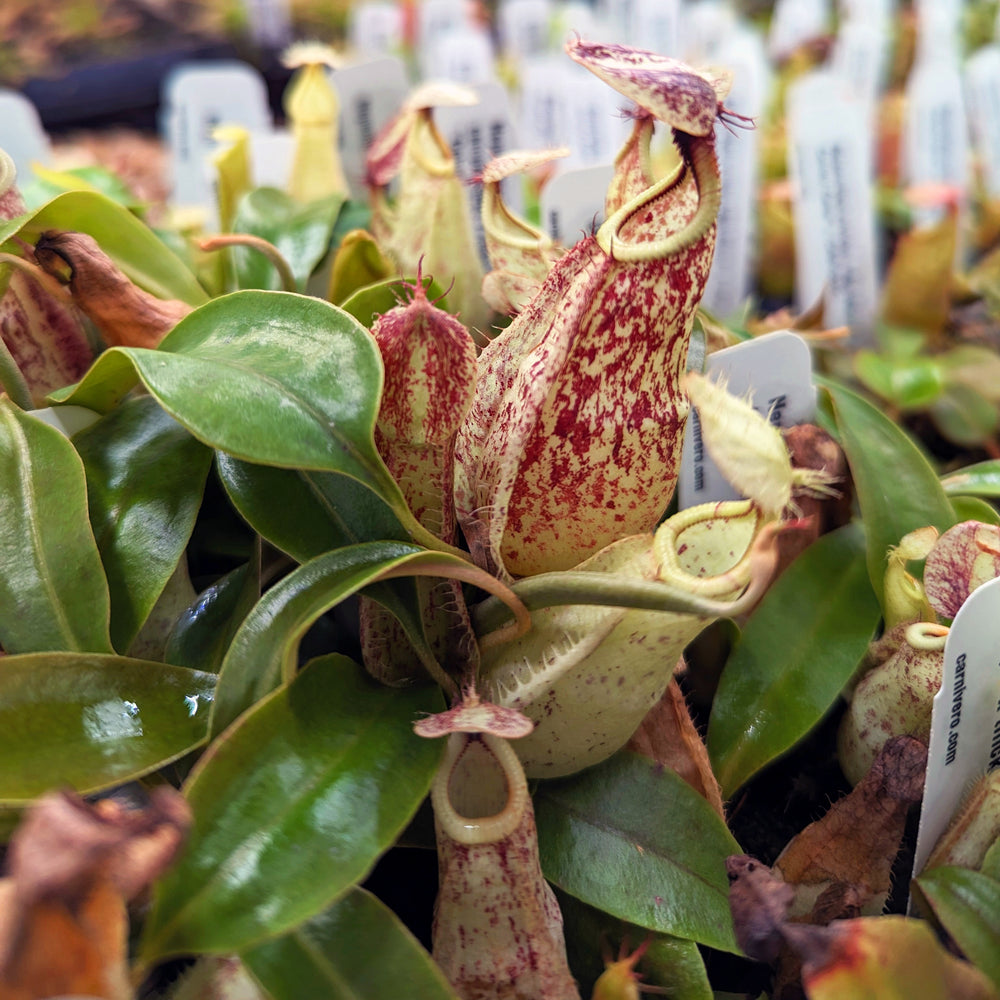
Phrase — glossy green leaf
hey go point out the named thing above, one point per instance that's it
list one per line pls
(132, 245)
(592, 937)
(909, 384)
(967, 903)
(306, 513)
(145, 479)
(92, 721)
(638, 842)
(354, 214)
(374, 300)
(358, 949)
(974, 509)
(964, 417)
(265, 649)
(292, 807)
(897, 489)
(53, 593)
(300, 232)
(795, 654)
(273, 378)
(201, 636)
(981, 480)
(49, 183)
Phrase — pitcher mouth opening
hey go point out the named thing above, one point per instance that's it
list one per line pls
(480, 793)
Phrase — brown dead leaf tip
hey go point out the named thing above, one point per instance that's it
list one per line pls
(759, 903)
(898, 771)
(125, 314)
(65, 846)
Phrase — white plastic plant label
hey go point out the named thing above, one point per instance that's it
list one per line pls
(370, 93)
(435, 18)
(775, 371)
(597, 128)
(729, 281)
(21, 134)
(935, 130)
(377, 28)
(794, 22)
(655, 26)
(464, 55)
(198, 97)
(705, 26)
(270, 22)
(68, 420)
(860, 57)
(271, 157)
(476, 133)
(524, 27)
(982, 90)
(572, 202)
(830, 168)
(965, 725)
(543, 105)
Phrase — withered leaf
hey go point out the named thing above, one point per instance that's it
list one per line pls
(855, 843)
(668, 735)
(72, 869)
(126, 315)
(759, 903)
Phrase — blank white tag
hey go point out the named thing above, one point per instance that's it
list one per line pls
(776, 371)
(21, 134)
(829, 164)
(965, 726)
(198, 97)
(370, 93)
(66, 419)
(435, 18)
(572, 202)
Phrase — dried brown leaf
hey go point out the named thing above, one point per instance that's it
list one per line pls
(855, 843)
(668, 735)
(126, 315)
(72, 869)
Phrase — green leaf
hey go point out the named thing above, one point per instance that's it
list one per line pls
(265, 649)
(294, 382)
(92, 721)
(128, 242)
(49, 183)
(372, 301)
(306, 513)
(795, 654)
(145, 480)
(911, 384)
(291, 808)
(639, 843)
(300, 232)
(968, 905)
(356, 950)
(202, 635)
(974, 509)
(53, 593)
(964, 417)
(897, 489)
(981, 480)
